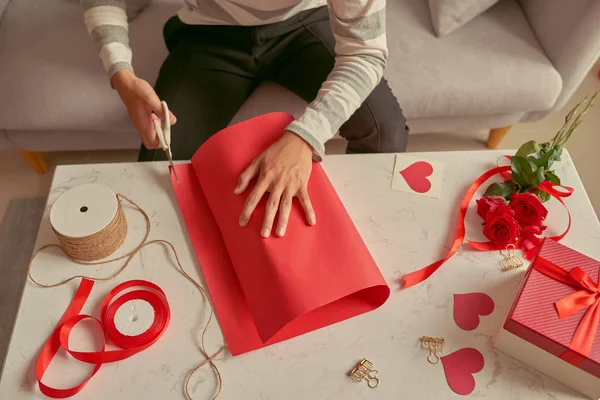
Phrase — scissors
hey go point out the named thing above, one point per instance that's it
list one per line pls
(163, 131)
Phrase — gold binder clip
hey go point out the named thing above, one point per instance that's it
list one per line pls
(435, 347)
(511, 260)
(364, 370)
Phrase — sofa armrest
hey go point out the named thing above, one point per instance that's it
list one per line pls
(569, 32)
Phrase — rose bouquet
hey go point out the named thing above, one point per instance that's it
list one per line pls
(513, 210)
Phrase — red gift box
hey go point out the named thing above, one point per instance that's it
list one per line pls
(561, 282)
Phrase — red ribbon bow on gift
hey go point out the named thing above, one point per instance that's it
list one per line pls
(588, 296)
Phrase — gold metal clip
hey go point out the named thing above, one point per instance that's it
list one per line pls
(511, 260)
(364, 370)
(435, 346)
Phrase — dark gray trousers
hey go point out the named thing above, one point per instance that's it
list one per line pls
(211, 70)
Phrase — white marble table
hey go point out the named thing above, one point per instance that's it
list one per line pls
(403, 232)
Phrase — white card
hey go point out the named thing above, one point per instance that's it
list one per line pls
(418, 176)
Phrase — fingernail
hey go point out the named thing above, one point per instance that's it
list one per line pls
(243, 222)
(265, 232)
(312, 221)
(280, 231)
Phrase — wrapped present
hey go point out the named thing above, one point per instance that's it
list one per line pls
(553, 325)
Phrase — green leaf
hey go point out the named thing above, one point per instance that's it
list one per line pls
(525, 173)
(544, 197)
(547, 158)
(528, 148)
(521, 168)
(552, 178)
(500, 189)
(535, 161)
(536, 177)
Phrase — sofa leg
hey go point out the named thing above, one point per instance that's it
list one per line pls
(36, 160)
(496, 135)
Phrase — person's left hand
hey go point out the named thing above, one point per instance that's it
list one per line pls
(283, 170)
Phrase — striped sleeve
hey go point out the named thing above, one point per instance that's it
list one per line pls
(106, 21)
(360, 58)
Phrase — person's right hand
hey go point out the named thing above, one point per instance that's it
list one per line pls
(143, 105)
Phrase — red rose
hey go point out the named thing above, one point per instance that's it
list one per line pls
(489, 204)
(529, 210)
(501, 228)
(528, 239)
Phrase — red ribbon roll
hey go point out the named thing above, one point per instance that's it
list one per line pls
(129, 345)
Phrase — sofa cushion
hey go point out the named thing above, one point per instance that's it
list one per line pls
(54, 78)
(493, 65)
(449, 15)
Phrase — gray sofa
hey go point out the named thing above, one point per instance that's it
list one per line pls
(516, 62)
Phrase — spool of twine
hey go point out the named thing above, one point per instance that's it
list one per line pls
(97, 245)
(92, 249)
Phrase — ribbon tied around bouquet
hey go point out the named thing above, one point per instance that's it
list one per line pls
(422, 274)
(586, 297)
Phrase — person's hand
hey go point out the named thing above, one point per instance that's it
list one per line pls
(143, 105)
(283, 170)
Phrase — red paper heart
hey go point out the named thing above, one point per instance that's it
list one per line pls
(416, 176)
(459, 368)
(469, 306)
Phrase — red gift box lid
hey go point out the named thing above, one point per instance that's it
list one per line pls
(533, 316)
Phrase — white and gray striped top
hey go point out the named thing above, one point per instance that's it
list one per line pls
(358, 27)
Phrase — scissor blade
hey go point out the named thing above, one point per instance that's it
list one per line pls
(172, 166)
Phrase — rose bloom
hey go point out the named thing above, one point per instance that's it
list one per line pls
(489, 204)
(501, 228)
(528, 208)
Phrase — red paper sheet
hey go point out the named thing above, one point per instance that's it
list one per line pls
(268, 290)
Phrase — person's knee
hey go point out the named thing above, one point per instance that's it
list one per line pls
(375, 129)
(393, 132)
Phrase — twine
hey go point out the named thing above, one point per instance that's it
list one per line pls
(89, 249)
(97, 245)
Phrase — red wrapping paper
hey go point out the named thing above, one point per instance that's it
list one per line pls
(268, 290)
(534, 315)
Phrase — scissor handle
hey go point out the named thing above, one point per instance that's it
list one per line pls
(167, 125)
(160, 134)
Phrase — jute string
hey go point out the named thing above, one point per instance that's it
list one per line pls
(97, 245)
(90, 249)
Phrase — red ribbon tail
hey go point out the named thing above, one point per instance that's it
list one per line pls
(483, 246)
(584, 336)
(419, 276)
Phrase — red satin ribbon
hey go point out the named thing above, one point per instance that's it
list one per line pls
(587, 297)
(422, 274)
(129, 345)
